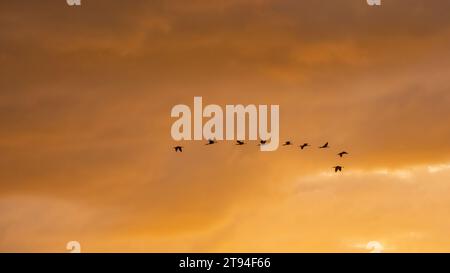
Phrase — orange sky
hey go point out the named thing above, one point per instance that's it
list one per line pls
(86, 151)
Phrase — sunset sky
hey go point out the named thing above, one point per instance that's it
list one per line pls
(86, 152)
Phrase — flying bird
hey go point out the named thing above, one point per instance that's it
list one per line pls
(324, 146)
(341, 154)
(211, 142)
(303, 146)
(287, 143)
(337, 169)
(240, 142)
(262, 142)
(178, 149)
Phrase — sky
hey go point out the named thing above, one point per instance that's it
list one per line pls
(86, 151)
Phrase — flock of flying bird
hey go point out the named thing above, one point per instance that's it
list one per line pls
(337, 168)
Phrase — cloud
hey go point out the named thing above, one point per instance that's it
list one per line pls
(85, 124)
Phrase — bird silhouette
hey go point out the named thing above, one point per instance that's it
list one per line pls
(240, 142)
(178, 149)
(211, 142)
(341, 154)
(324, 146)
(337, 169)
(303, 146)
(262, 142)
(287, 143)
